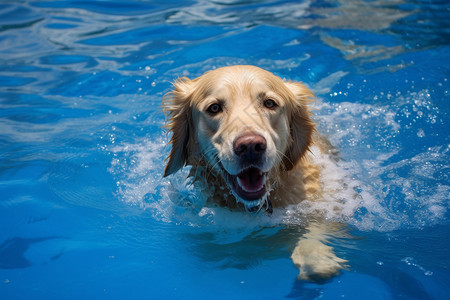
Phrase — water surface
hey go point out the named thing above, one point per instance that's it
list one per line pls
(84, 211)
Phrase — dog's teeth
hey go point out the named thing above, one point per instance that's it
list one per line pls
(240, 184)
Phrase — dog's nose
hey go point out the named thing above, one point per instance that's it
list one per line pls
(250, 146)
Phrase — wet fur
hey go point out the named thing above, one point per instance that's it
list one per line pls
(202, 142)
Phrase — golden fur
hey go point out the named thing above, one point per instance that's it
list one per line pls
(211, 116)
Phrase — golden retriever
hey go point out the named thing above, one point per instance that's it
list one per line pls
(246, 134)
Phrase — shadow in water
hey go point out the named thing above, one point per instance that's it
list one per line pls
(231, 250)
(12, 252)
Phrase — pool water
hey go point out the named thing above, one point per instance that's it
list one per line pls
(85, 212)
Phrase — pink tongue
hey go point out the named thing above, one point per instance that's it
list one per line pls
(251, 180)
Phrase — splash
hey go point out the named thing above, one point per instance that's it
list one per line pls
(396, 190)
(368, 187)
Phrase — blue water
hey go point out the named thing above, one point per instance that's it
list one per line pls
(85, 213)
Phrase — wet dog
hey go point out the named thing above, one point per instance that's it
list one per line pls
(246, 134)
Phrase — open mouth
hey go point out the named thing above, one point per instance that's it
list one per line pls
(249, 184)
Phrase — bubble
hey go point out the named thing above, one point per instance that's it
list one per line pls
(420, 133)
(410, 261)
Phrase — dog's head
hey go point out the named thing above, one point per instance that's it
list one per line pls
(243, 122)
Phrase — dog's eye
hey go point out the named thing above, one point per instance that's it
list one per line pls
(214, 108)
(269, 103)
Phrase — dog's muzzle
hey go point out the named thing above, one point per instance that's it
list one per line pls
(249, 185)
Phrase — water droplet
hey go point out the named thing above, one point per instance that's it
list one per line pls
(420, 133)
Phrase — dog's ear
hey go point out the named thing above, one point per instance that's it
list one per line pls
(301, 125)
(177, 110)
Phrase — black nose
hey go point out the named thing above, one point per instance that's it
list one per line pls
(250, 146)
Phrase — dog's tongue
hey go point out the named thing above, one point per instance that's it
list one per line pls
(251, 180)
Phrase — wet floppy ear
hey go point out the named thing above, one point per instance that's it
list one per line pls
(177, 109)
(300, 124)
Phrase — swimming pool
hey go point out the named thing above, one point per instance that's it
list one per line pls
(85, 212)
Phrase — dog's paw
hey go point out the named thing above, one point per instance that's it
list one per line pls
(316, 261)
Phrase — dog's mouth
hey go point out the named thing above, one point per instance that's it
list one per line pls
(249, 185)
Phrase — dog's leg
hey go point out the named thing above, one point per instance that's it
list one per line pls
(315, 260)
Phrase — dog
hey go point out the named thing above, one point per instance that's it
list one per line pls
(246, 133)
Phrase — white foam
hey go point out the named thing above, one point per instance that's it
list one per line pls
(138, 169)
(392, 193)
